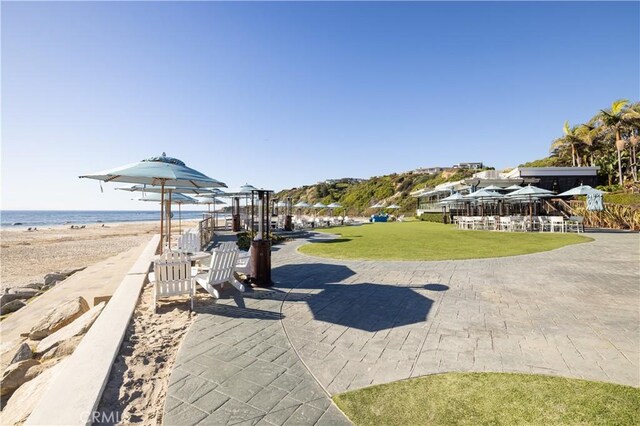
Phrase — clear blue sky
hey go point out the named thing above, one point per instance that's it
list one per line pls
(286, 94)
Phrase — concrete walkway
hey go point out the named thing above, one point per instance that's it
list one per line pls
(250, 358)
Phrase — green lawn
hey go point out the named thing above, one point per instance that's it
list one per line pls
(492, 398)
(432, 241)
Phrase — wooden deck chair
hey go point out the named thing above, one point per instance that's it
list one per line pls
(223, 265)
(243, 263)
(172, 276)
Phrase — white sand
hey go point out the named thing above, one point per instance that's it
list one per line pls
(137, 386)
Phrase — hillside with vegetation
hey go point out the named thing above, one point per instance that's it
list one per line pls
(358, 195)
(608, 140)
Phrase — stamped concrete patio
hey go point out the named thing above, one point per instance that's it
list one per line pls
(274, 356)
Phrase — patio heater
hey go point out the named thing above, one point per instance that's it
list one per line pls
(235, 214)
(288, 214)
(261, 244)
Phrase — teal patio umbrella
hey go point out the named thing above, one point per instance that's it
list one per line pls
(177, 198)
(158, 171)
(532, 193)
(581, 190)
(301, 205)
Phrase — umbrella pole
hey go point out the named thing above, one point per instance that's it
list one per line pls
(169, 219)
(162, 216)
(180, 218)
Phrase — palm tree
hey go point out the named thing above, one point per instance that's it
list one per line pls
(612, 120)
(631, 117)
(574, 137)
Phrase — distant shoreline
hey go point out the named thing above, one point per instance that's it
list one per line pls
(47, 219)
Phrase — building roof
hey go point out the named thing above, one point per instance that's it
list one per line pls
(552, 171)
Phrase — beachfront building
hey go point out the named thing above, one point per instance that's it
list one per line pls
(557, 179)
(429, 198)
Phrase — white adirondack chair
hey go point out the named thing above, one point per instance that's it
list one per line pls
(223, 265)
(172, 276)
(243, 263)
(189, 241)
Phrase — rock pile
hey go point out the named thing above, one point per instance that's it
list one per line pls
(51, 340)
(14, 298)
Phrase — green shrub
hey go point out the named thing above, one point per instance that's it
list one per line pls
(609, 188)
(431, 217)
(244, 240)
(622, 198)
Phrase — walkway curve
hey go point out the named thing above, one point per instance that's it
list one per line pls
(569, 312)
(264, 356)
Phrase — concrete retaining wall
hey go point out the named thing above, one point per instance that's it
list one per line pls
(74, 394)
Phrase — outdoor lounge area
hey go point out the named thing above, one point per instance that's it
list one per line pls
(521, 223)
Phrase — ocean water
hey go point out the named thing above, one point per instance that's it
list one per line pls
(43, 218)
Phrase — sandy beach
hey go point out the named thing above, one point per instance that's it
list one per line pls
(137, 387)
(26, 256)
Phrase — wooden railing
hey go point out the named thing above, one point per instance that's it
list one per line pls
(206, 228)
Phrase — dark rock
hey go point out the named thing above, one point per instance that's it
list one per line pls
(23, 353)
(37, 286)
(50, 278)
(8, 297)
(12, 306)
(24, 292)
(68, 272)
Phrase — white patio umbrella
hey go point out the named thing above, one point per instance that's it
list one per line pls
(158, 171)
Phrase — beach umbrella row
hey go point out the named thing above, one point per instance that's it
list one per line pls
(159, 171)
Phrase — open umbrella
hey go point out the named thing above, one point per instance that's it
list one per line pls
(513, 188)
(158, 171)
(301, 205)
(581, 190)
(318, 206)
(177, 198)
(167, 189)
(454, 198)
(493, 188)
(532, 193)
(484, 195)
(334, 206)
